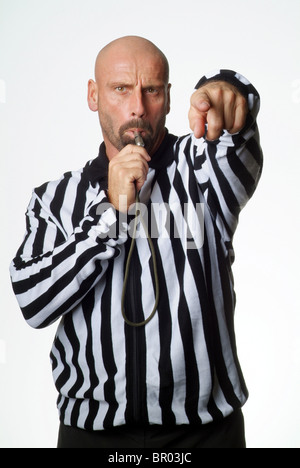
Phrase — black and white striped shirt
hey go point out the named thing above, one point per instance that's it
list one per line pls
(182, 367)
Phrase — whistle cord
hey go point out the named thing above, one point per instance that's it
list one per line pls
(138, 216)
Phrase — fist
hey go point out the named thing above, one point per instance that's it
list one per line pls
(127, 173)
(219, 105)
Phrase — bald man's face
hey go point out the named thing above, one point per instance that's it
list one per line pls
(130, 94)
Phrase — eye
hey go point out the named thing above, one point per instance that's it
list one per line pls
(120, 89)
(152, 91)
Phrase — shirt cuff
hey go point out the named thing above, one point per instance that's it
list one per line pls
(236, 79)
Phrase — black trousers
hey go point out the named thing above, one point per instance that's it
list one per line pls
(228, 433)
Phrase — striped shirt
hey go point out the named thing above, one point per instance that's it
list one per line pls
(182, 367)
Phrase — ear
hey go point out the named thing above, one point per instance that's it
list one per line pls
(92, 95)
(168, 98)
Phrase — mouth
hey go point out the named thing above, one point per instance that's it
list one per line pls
(136, 126)
(131, 132)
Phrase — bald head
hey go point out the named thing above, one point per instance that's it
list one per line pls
(130, 45)
(131, 93)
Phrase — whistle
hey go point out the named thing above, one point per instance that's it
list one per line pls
(138, 139)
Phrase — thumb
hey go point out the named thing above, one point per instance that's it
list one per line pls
(202, 104)
(200, 100)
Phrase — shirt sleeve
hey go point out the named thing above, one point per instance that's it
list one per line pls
(229, 168)
(54, 270)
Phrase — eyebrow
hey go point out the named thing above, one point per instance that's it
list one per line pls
(115, 84)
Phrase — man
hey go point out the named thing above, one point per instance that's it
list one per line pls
(176, 380)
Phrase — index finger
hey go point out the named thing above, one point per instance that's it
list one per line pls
(132, 149)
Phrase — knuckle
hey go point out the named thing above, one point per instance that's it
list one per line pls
(230, 97)
(122, 173)
(216, 129)
(217, 93)
(244, 104)
(216, 124)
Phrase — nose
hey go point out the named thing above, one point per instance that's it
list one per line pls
(137, 105)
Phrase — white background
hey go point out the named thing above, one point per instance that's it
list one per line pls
(47, 53)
